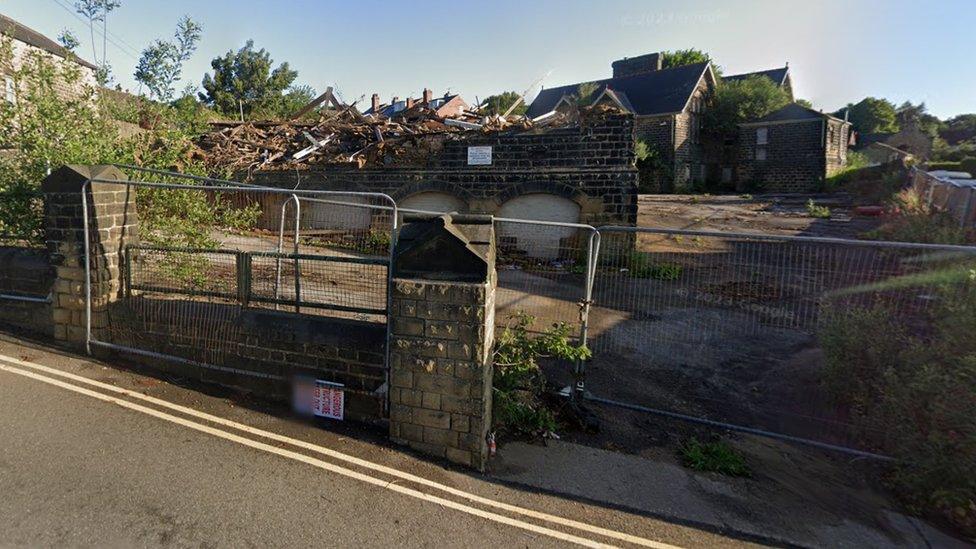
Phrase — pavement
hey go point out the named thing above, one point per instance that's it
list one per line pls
(99, 454)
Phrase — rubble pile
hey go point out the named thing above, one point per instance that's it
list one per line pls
(347, 137)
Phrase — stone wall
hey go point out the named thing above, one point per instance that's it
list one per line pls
(26, 272)
(592, 165)
(795, 157)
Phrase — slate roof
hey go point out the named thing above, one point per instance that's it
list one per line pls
(27, 35)
(794, 112)
(658, 92)
(776, 75)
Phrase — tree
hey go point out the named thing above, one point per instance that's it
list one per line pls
(909, 115)
(68, 40)
(161, 63)
(873, 115)
(739, 101)
(97, 11)
(499, 103)
(690, 56)
(244, 80)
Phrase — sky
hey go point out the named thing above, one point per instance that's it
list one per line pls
(839, 51)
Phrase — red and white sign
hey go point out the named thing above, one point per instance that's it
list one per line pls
(328, 399)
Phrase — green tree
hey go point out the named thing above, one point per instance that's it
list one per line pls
(161, 63)
(743, 100)
(96, 11)
(68, 40)
(873, 115)
(690, 56)
(909, 115)
(244, 80)
(499, 103)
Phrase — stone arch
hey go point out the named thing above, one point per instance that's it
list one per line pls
(433, 201)
(417, 187)
(539, 241)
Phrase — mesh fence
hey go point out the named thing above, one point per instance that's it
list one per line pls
(725, 327)
(241, 279)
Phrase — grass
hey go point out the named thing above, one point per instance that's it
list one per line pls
(817, 211)
(715, 457)
(641, 267)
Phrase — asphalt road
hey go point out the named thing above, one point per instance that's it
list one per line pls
(81, 465)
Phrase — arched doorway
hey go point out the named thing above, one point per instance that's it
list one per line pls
(433, 201)
(539, 241)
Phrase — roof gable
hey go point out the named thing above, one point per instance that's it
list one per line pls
(27, 35)
(794, 112)
(665, 91)
(778, 76)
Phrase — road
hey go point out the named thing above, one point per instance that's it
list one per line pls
(91, 454)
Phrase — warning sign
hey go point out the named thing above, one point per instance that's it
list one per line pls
(328, 399)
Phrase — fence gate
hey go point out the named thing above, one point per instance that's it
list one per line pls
(253, 286)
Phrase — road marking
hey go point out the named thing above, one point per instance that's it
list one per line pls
(582, 526)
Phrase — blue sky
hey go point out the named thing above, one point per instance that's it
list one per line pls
(838, 50)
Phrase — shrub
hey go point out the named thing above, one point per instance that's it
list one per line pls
(909, 384)
(641, 267)
(716, 457)
(519, 384)
(910, 219)
(815, 210)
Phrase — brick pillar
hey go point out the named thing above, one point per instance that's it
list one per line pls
(112, 223)
(442, 319)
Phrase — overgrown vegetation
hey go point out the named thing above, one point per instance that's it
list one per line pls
(519, 384)
(716, 457)
(49, 127)
(642, 266)
(739, 101)
(911, 391)
(817, 211)
(910, 219)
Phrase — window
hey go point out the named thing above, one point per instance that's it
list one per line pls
(9, 89)
(762, 136)
(760, 153)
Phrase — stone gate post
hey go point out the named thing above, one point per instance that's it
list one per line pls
(112, 223)
(442, 319)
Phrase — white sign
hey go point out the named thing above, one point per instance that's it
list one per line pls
(479, 156)
(328, 399)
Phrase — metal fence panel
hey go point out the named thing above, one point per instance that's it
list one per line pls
(723, 327)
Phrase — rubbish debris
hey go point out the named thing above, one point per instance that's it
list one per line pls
(344, 136)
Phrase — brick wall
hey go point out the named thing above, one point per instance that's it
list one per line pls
(84, 83)
(591, 165)
(795, 157)
(26, 272)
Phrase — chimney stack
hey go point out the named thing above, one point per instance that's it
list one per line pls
(376, 103)
(631, 66)
(428, 95)
(410, 102)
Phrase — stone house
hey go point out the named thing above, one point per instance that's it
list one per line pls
(448, 106)
(793, 149)
(26, 40)
(667, 105)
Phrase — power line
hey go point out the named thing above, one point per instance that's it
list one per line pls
(110, 37)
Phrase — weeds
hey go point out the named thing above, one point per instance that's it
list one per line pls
(641, 267)
(817, 211)
(910, 219)
(519, 384)
(716, 457)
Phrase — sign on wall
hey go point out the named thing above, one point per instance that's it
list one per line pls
(479, 156)
(317, 397)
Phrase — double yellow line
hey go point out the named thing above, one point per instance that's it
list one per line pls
(44, 374)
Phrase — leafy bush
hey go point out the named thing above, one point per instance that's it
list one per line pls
(909, 384)
(519, 384)
(910, 219)
(815, 210)
(641, 267)
(716, 457)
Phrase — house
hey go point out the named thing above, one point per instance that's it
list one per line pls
(793, 149)
(910, 138)
(780, 77)
(667, 105)
(448, 106)
(26, 40)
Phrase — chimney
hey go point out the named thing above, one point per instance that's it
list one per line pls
(376, 102)
(428, 95)
(410, 102)
(642, 64)
(394, 101)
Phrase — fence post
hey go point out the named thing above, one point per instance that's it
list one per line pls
(81, 303)
(442, 318)
(243, 265)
